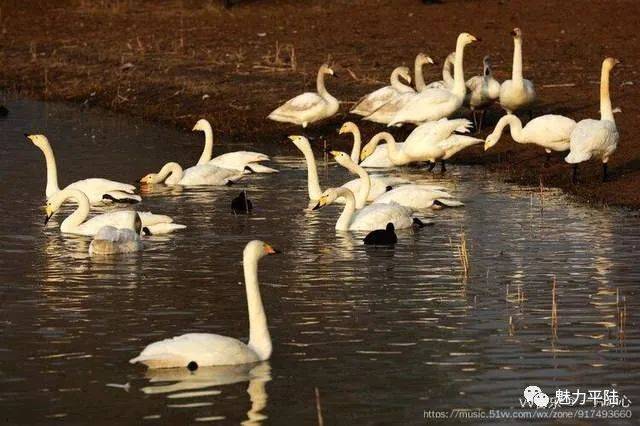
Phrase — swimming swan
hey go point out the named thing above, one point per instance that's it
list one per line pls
(97, 190)
(379, 184)
(379, 158)
(308, 107)
(201, 174)
(110, 240)
(596, 138)
(204, 349)
(552, 132)
(434, 104)
(517, 93)
(237, 160)
(369, 218)
(374, 100)
(77, 223)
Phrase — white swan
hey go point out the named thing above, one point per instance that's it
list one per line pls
(206, 349)
(517, 93)
(596, 138)
(385, 114)
(110, 241)
(374, 100)
(379, 184)
(552, 132)
(308, 107)
(77, 223)
(434, 104)
(432, 141)
(421, 60)
(97, 190)
(412, 196)
(482, 91)
(378, 159)
(237, 160)
(369, 218)
(447, 78)
(201, 174)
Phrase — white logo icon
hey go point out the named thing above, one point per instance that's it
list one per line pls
(533, 394)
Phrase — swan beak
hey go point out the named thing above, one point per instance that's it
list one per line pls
(270, 250)
(486, 146)
(28, 136)
(49, 212)
(334, 153)
(476, 38)
(430, 61)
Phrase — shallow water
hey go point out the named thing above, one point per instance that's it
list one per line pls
(383, 334)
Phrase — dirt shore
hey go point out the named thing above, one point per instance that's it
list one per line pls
(176, 61)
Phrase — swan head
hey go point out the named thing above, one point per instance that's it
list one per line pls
(202, 125)
(370, 147)
(516, 33)
(259, 249)
(490, 141)
(38, 140)
(55, 201)
(326, 69)
(300, 141)
(423, 58)
(466, 38)
(148, 179)
(609, 63)
(405, 73)
(343, 159)
(348, 127)
(327, 197)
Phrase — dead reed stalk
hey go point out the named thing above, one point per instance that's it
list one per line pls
(463, 253)
(319, 408)
(554, 308)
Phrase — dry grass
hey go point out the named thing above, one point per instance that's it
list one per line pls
(554, 309)
(319, 408)
(463, 254)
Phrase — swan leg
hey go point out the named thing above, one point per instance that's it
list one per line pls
(574, 178)
(605, 175)
(443, 167)
(481, 123)
(547, 159)
(432, 165)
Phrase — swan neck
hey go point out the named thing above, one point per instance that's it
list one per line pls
(514, 124)
(606, 113)
(81, 212)
(259, 338)
(459, 87)
(397, 157)
(52, 170)
(313, 183)
(357, 145)
(322, 91)
(418, 75)
(172, 169)
(344, 221)
(207, 152)
(446, 73)
(516, 73)
(365, 186)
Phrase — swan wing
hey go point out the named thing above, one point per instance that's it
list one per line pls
(238, 160)
(413, 196)
(164, 228)
(374, 100)
(549, 128)
(376, 216)
(425, 106)
(300, 109)
(203, 348)
(387, 111)
(592, 137)
(380, 157)
(207, 174)
(96, 188)
(149, 218)
(110, 240)
(456, 143)
(122, 219)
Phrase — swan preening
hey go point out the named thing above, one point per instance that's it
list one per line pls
(379, 158)
(374, 100)
(237, 160)
(596, 138)
(77, 223)
(97, 190)
(434, 104)
(204, 349)
(308, 107)
(551, 132)
(517, 93)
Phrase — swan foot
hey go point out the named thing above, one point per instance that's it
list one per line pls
(605, 174)
(443, 167)
(432, 165)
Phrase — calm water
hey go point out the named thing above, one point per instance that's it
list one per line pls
(384, 334)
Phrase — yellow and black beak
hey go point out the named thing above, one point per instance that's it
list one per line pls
(270, 250)
(321, 203)
(334, 153)
(48, 213)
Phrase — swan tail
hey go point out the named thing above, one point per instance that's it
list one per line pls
(577, 157)
(447, 202)
(162, 228)
(121, 197)
(420, 224)
(259, 168)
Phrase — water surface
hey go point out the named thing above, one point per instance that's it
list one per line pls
(383, 334)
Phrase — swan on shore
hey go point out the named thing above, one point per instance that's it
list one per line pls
(447, 78)
(110, 241)
(201, 174)
(482, 91)
(374, 100)
(308, 107)
(596, 138)
(97, 190)
(434, 104)
(369, 218)
(517, 93)
(551, 132)
(237, 160)
(379, 184)
(379, 158)
(195, 350)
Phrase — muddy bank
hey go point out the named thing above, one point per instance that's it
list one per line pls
(176, 61)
